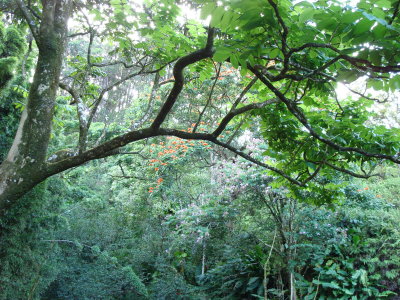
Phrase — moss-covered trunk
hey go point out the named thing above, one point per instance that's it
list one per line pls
(24, 165)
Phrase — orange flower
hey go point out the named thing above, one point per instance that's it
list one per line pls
(156, 169)
(193, 124)
(366, 188)
(159, 180)
(379, 196)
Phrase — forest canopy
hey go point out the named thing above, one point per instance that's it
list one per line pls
(286, 60)
(300, 94)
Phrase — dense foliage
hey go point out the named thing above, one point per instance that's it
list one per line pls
(199, 231)
(199, 149)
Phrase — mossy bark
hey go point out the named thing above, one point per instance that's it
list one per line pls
(24, 165)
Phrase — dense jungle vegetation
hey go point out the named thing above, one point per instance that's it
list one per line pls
(197, 149)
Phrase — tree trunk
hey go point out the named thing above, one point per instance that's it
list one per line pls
(24, 166)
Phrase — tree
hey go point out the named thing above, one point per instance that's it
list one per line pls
(294, 53)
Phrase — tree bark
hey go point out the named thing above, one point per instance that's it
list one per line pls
(23, 167)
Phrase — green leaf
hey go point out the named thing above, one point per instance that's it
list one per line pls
(274, 53)
(394, 83)
(331, 284)
(376, 84)
(347, 76)
(217, 15)
(384, 4)
(311, 166)
(375, 57)
(356, 239)
(379, 13)
(307, 14)
(207, 10)
(234, 61)
(379, 31)
(363, 26)
(222, 54)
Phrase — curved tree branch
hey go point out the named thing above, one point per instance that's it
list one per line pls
(28, 17)
(233, 113)
(180, 65)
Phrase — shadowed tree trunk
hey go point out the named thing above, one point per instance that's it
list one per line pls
(23, 167)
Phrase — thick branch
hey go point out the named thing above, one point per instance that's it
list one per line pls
(238, 111)
(285, 30)
(180, 65)
(28, 17)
